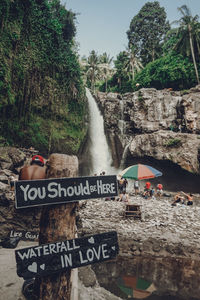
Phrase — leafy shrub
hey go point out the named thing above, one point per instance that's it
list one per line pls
(170, 71)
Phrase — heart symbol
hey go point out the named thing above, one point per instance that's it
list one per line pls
(42, 266)
(91, 240)
(113, 247)
(33, 267)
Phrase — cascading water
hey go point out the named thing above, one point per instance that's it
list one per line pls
(101, 159)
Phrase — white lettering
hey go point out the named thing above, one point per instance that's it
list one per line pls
(68, 260)
(42, 194)
(86, 188)
(77, 190)
(68, 246)
(30, 236)
(97, 253)
(70, 191)
(15, 234)
(113, 188)
(58, 245)
(60, 190)
(63, 247)
(104, 251)
(90, 255)
(51, 248)
(62, 261)
(81, 258)
(34, 193)
(32, 253)
(25, 189)
(38, 250)
(75, 246)
(50, 189)
(24, 255)
(99, 187)
(45, 250)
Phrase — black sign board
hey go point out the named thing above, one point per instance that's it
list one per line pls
(24, 235)
(61, 190)
(56, 257)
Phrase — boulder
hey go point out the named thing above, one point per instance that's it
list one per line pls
(11, 158)
(180, 148)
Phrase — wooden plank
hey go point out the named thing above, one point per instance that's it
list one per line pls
(53, 258)
(30, 193)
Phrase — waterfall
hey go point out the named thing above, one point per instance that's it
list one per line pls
(101, 158)
(124, 156)
(121, 122)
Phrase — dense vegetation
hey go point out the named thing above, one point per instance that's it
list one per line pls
(157, 55)
(42, 99)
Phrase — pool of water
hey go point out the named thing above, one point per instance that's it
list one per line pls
(150, 278)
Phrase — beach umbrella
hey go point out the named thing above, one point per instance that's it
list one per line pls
(139, 172)
(136, 287)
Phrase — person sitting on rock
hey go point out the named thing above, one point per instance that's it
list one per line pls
(136, 187)
(124, 197)
(146, 193)
(189, 198)
(178, 198)
(159, 189)
(35, 170)
(121, 185)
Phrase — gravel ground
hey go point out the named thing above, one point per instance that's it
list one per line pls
(171, 225)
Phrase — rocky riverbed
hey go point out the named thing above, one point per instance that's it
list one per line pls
(164, 230)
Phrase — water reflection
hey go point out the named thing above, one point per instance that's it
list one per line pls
(135, 287)
(166, 278)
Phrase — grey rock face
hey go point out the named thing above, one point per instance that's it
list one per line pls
(164, 125)
(180, 148)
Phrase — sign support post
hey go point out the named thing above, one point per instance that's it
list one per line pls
(57, 223)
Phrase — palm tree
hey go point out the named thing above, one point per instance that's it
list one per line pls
(188, 34)
(105, 68)
(92, 68)
(133, 64)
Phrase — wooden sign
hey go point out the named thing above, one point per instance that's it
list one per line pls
(55, 257)
(61, 190)
(24, 235)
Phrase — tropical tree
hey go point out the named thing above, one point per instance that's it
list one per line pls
(106, 70)
(147, 30)
(133, 64)
(188, 36)
(92, 68)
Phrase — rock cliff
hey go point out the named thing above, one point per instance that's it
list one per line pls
(161, 124)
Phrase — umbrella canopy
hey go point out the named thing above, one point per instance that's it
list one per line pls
(135, 287)
(139, 172)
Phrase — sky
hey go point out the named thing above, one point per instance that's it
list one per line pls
(102, 24)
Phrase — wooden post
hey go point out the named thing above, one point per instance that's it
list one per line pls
(57, 223)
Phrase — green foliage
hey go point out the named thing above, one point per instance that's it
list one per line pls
(170, 71)
(40, 76)
(147, 30)
(173, 143)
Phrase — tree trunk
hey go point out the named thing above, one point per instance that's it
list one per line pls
(193, 56)
(57, 223)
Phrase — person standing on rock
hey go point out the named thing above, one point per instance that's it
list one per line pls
(136, 187)
(35, 170)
